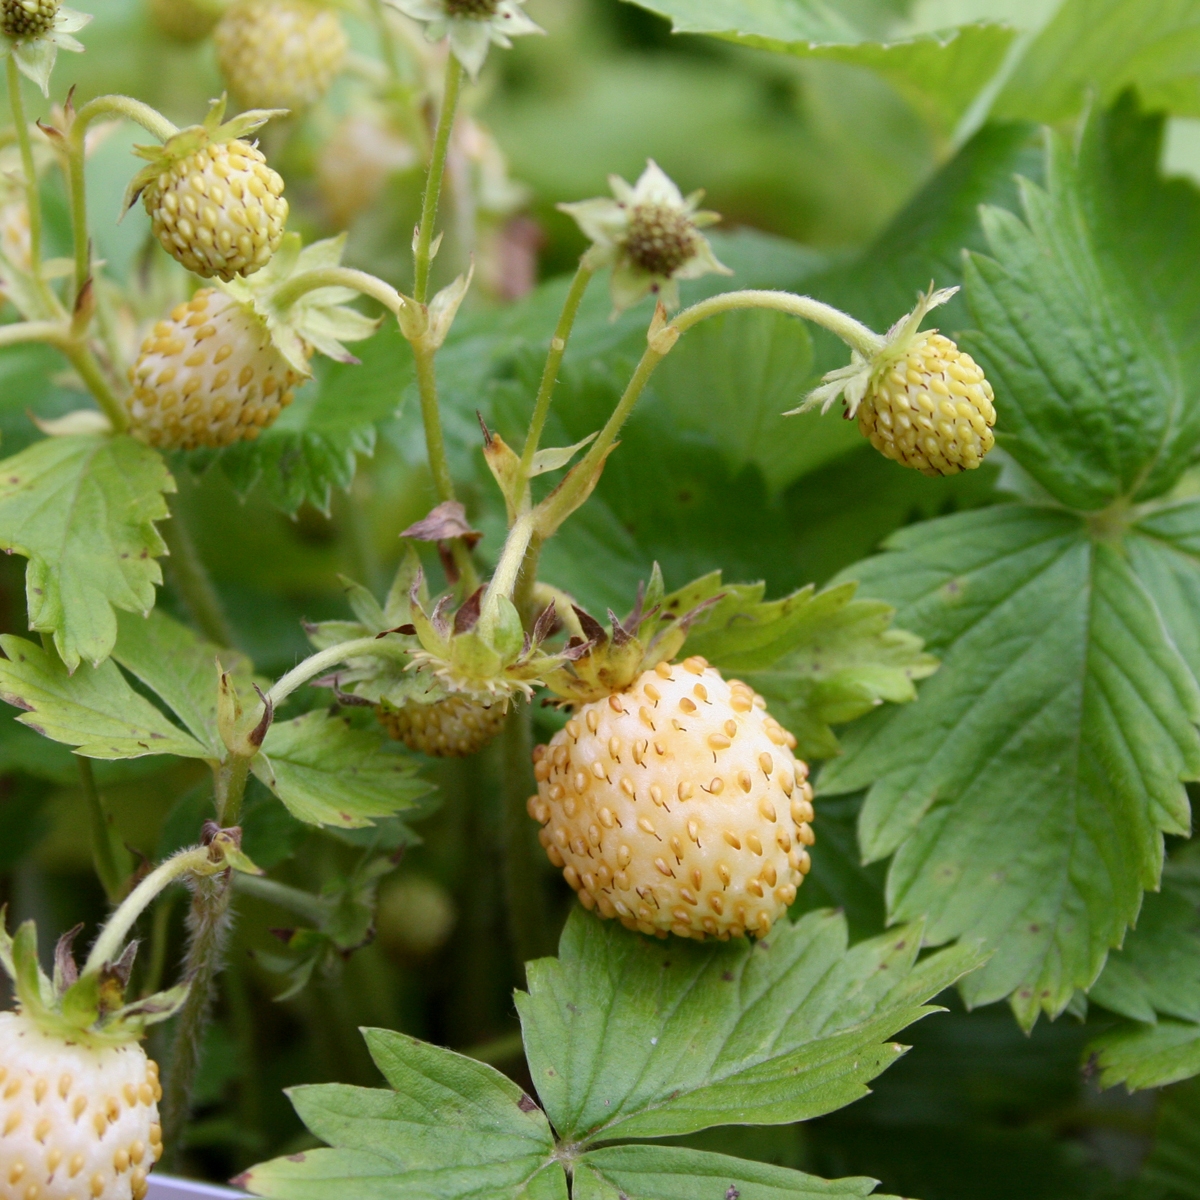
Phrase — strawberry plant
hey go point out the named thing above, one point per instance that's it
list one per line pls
(498, 735)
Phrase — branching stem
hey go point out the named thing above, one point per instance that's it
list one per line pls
(320, 662)
(347, 277)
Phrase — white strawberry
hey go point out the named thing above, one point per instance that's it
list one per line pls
(214, 204)
(677, 805)
(75, 1121)
(221, 367)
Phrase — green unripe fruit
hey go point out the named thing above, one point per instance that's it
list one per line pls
(455, 727)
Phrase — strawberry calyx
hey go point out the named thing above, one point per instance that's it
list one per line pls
(212, 131)
(87, 1005)
(599, 661)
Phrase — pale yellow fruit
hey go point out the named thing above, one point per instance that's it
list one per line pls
(75, 1123)
(677, 806)
(220, 211)
(455, 727)
(209, 375)
(932, 410)
(280, 53)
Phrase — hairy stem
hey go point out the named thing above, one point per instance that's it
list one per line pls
(854, 333)
(422, 256)
(528, 924)
(229, 787)
(320, 662)
(347, 277)
(193, 582)
(209, 925)
(112, 936)
(111, 872)
(558, 347)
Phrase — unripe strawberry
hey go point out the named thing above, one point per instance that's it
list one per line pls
(455, 727)
(185, 20)
(23, 19)
(932, 409)
(677, 806)
(210, 375)
(280, 53)
(219, 210)
(76, 1122)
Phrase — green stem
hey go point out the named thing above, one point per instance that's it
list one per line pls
(206, 952)
(578, 485)
(55, 332)
(347, 277)
(191, 578)
(529, 929)
(433, 182)
(84, 362)
(854, 333)
(103, 106)
(435, 449)
(558, 347)
(294, 900)
(229, 787)
(320, 662)
(504, 578)
(32, 199)
(109, 870)
(112, 936)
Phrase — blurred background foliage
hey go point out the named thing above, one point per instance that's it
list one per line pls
(832, 180)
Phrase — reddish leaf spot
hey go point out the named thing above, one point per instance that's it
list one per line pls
(526, 1103)
(297, 1157)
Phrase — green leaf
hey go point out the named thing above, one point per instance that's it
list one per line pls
(1094, 49)
(82, 510)
(329, 773)
(313, 447)
(631, 1038)
(93, 709)
(732, 378)
(1087, 333)
(820, 658)
(940, 73)
(1157, 970)
(1026, 793)
(180, 667)
(1145, 1056)
(1172, 1169)
(673, 1173)
(450, 1127)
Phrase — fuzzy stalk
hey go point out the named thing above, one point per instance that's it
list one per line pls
(208, 923)
(347, 277)
(317, 663)
(191, 578)
(528, 908)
